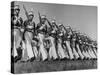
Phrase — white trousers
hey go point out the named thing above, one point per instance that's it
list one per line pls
(52, 50)
(75, 53)
(17, 40)
(35, 48)
(42, 50)
(28, 41)
(69, 50)
(79, 51)
(61, 51)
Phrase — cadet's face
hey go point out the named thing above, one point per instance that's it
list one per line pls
(31, 17)
(59, 28)
(16, 11)
(62, 28)
(53, 23)
(43, 20)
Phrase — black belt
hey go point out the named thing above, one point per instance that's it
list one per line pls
(40, 31)
(29, 30)
(15, 27)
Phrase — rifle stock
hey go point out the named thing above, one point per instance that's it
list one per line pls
(49, 23)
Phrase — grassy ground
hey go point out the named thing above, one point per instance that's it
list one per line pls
(59, 65)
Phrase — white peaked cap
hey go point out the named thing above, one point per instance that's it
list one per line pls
(16, 7)
(60, 24)
(53, 21)
(30, 13)
(43, 16)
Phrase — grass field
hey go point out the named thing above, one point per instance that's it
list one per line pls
(59, 65)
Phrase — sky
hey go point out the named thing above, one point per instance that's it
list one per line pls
(80, 18)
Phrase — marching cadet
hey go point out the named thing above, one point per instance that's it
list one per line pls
(35, 45)
(81, 45)
(41, 32)
(73, 45)
(29, 30)
(89, 48)
(85, 48)
(94, 47)
(61, 50)
(79, 50)
(54, 32)
(68, 42)
(63, 37)
(52, 37)
(16, 22)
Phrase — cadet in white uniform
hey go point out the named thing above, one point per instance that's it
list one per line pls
(29, 29)
(16, 22)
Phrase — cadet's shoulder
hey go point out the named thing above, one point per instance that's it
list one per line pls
(20, 18)
(38, 24)
(25, 22)
(33, 22)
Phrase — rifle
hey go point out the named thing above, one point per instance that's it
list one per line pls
(64, 28)
(71, 29)
(49, 23)
(26, 12)
(39, 16)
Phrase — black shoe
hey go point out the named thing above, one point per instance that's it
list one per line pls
(15, 59)
(32, 59)
(57, 59)
(46, 60)
(79, 58)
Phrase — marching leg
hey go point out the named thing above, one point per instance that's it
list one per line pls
(79, 52)
(69, 50)
(28, 40)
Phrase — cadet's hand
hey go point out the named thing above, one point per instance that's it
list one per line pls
(22, 29)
